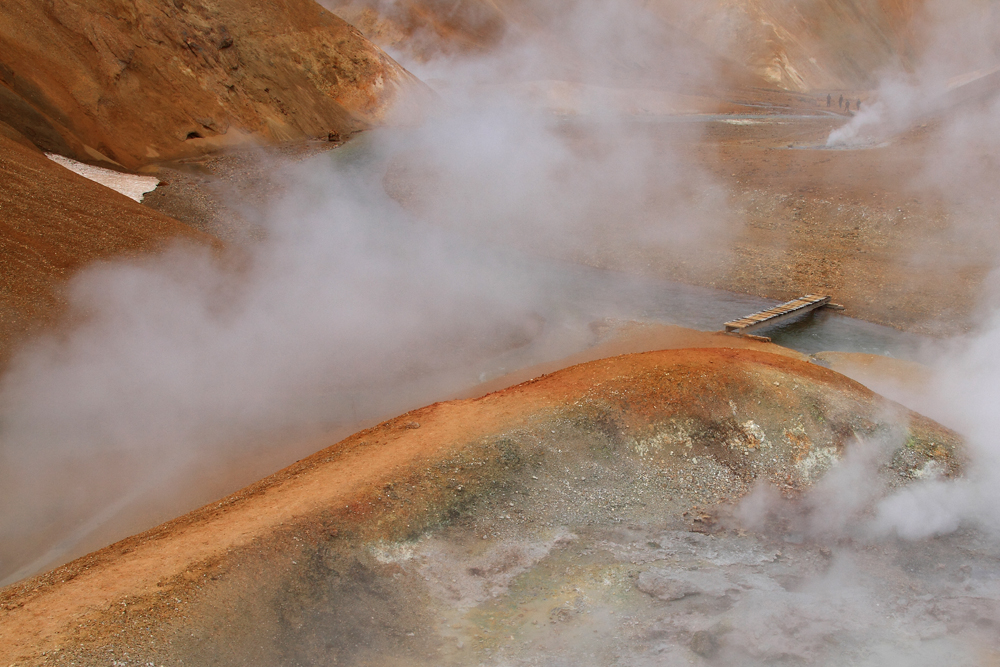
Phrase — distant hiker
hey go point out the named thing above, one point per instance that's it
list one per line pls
(840, 102)
(858, 105)
(847, 105)
(829, 99)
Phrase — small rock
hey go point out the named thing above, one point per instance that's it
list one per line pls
(704, 643)
(561, 614)
(670, 586)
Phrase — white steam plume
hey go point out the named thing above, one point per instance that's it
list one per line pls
(955, 87)
(965, 395)
(957, 63)
(187, 377)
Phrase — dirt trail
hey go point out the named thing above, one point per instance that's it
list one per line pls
(631, 338)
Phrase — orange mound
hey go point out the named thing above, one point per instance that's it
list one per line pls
(669, 430)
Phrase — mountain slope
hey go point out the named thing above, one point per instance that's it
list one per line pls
(283, 571)
(52, 222)
(135, 81)
(800, 46)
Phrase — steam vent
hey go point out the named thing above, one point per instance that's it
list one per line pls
(315, 355)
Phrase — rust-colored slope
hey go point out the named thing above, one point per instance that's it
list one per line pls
(819, 45)
(138, 81)
(802, 46)
(426, 28)
(52, 222)
(741, 414)
(566, 40)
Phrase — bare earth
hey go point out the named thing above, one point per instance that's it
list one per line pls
(55, 222)
(585, 515)
(827, 229)
(645, 438)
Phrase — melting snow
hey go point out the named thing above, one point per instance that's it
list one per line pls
(132, 186)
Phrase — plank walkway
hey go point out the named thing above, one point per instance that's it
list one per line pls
(778, 313)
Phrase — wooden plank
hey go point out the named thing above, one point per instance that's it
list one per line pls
(779, 313)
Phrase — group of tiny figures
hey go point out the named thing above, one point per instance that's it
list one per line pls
(842, 103)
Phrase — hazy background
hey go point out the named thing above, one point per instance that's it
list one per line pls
(951, 91)
(189, 376)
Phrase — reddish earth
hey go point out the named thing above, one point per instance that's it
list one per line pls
(662, 441)
(427, 29)
(711, 420)
(863, 225)
(128, 83)
(135, 81)
(55, 222)
(618, 338)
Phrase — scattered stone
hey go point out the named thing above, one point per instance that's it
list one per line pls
(704, 643)
(669, 586)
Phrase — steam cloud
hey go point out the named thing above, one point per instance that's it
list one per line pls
(353, 308)
(185, 371)
(952, 87)
(964, 395)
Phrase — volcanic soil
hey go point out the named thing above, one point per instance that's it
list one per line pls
(55, 222)
(497, 528)
(586, 516)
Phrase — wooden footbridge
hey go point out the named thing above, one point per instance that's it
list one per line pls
(780, 313)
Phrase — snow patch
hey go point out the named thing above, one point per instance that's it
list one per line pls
(132, 186)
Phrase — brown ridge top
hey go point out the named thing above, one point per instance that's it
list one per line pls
(632, 338)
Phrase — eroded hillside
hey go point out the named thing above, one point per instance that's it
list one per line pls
(799, 46)
(53, 223)
(134, 81)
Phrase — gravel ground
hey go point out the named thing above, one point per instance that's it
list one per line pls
(604, 529)
(225, 194)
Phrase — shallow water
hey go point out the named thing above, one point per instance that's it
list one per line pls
(610, 294)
